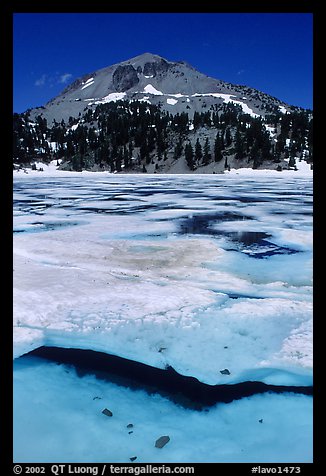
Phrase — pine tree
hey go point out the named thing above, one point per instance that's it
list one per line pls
(126, 157)
(144, 153)
(178, 149)
(215, 119)
(292, 162)
(228, 137)
(197, 120)
(239, 146)
(118, 160)
(198, 151)
(218, 148)
(130, 152)
(207, 153)
(77, 163)
(189, 156)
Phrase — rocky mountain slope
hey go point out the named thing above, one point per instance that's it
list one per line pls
(175, 86)
(150, 114)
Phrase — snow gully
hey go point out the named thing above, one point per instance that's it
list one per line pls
(70, 469)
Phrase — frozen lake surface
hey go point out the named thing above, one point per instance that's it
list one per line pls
(210, 275)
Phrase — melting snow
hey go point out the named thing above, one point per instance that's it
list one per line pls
(171, 101)
(151, 90)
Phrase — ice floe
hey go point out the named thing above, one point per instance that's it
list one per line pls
(113, 268)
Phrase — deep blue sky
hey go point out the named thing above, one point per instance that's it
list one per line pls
(272, 52)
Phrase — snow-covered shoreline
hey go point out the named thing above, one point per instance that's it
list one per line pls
(52, 170)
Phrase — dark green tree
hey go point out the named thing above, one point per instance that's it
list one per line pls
(239, 146)
(198, 151)
(228, 137)
(207, 153)
(189, 156)
(218, 148)
(178, 149)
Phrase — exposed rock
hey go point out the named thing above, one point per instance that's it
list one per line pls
(130, 425)
(225, 372)
(133, 458)
(161, 66)
(149, 69)
(162, 441)
(261, 420)
(124, 78)
(107, 412)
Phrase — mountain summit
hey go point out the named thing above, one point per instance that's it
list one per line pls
(175, 86)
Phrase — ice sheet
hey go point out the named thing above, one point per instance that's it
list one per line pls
(133, 264)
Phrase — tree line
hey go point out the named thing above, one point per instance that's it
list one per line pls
(130, 135)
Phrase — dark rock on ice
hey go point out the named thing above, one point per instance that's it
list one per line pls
(130, 425)
(225, 372)
(107, 412)
(162, 441)
(133, 458)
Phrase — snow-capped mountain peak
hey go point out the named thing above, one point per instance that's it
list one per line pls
(154, 79)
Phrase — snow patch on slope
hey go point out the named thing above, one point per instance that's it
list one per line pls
(149, 89)
(229, 98)
(112, 97)
(87, 83)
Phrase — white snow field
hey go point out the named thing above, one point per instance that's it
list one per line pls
(201, 273)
